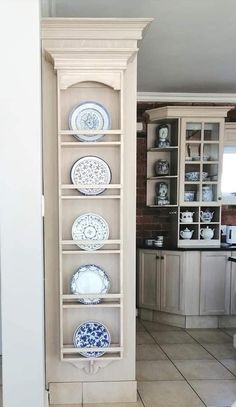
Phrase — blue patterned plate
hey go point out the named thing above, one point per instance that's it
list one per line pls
(91, 334)
(89, 116)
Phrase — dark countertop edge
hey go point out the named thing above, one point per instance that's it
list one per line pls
(190, 249)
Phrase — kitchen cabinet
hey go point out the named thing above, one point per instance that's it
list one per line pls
(149, 279)
(194, 150)
(215, 283)
(171, 276)
(233, 284)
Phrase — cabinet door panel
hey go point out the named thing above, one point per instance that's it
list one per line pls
(215, 283)
(233, 285)
(172, 282)
(149, 280)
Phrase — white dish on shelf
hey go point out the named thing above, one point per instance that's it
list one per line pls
(92, 334)
(90, 226)
(89, 115)
(90, 170)
(90, 279)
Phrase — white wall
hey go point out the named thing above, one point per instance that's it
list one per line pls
(21, 224)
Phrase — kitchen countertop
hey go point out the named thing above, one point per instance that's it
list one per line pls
(206, 249)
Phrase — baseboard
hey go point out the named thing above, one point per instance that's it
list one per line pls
(93, 392)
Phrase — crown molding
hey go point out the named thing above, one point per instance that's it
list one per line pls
(94, 28)
(186, 97)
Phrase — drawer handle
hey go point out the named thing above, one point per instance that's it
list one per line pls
(157, 257)
(162, 257)
(233, 259)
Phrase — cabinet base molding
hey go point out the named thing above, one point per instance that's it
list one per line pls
(93, 392)
(188, 321)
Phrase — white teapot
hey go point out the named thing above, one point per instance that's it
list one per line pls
(206, 216)
(186, 217)
(186, 233)
(207, 233)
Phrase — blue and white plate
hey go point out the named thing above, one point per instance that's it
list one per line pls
(91, 170)
(89, 116)
(90, 279)
(91, 334)
(90, 226)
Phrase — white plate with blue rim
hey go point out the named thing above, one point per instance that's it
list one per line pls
(89, 115)
(91, 334)
(91, 170)
(90, 226)
(90, 279)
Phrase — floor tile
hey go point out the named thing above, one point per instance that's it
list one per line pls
(168, 394)
(143, 337)
(156, 326)
(138, 404)
(149, 352)
(157, 370)
(172, 337)
(230, 364)
(203, 370)
(209, 336)
(229, 331)
(221, 351)
(139, 326)
(217, 393)
(186, 352)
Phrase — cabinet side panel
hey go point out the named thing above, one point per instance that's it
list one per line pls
(191, 291)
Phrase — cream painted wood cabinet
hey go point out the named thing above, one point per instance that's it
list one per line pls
(90, 60)
(215, 283)
(233, 285)
(168, 280)
(191, 179)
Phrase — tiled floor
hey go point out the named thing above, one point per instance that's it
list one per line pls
(182, 368)
(185, 368)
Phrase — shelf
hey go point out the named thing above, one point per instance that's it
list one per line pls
(93, 197)
(162, 177)
(99, 305)
(90, 251)
(90, 144)
(70, 353)
(192, 162)
(103, 242)
(188, 223)
(89, 132)
(153, 149)
(109, 186)
(162, 206)
(104, 296)
(72, 350)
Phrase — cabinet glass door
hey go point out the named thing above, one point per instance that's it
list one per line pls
(200, 165)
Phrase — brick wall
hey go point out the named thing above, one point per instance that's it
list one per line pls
(154, 221)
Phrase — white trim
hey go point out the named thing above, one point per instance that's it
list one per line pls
(48, 8)
(186, 97)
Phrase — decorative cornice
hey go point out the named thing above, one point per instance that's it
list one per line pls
(186, 97)
(94, 28)
(187, 111)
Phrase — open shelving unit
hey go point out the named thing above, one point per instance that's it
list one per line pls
(72, 204)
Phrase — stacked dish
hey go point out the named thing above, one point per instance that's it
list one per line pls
(195, 176)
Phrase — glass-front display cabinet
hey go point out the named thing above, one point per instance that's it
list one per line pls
(187, 143)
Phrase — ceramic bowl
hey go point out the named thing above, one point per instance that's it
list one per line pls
(189, 196)
(195, 176)
(196, 158)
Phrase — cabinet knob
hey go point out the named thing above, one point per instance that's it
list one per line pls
(162, 257)
(219, 198)
(157, 257)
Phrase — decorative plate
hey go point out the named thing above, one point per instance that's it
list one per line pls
(90, 170)
(91, 334)
(90, 279)
(89, 116)
(90, 226)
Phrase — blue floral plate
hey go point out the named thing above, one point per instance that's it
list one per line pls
(91, 334)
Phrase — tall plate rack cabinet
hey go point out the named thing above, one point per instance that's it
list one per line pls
(195, 137)
(89, 77)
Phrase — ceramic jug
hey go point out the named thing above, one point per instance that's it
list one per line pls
(186, 233)
(206, 216)
(207, 193)
(186, 217)
(207, 233)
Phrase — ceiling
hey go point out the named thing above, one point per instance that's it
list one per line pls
(190, 46)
